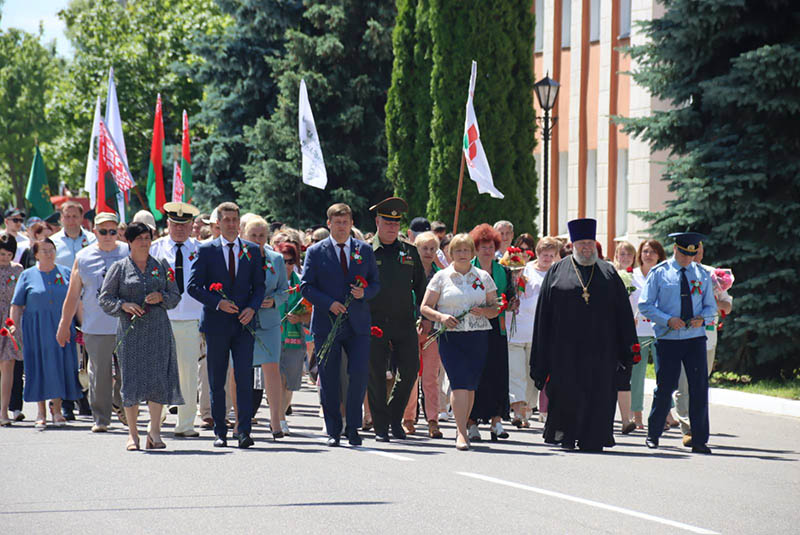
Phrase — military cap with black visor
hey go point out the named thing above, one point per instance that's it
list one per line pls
(180, 212)
(688, 243)
(394, 311)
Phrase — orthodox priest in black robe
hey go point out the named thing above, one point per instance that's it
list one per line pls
(582, 344)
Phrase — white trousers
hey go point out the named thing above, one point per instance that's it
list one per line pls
(187, 342)
(520, 384)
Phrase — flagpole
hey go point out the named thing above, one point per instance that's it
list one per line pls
(458, 196)
(139, 196)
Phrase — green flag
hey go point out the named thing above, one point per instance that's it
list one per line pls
(38, 192)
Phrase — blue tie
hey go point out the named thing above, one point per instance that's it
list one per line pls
(687, 311)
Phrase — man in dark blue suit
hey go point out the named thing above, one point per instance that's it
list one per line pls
(237, 265)
(329, 276)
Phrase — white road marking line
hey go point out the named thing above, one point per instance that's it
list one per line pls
(381, 453)
(591, 503)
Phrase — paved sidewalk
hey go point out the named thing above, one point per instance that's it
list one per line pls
(744, 400)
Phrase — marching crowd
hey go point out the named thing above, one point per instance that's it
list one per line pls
(397, 328)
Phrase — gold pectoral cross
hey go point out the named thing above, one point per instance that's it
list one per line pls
(585, 295)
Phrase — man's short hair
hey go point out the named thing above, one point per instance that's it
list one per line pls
(339, 209)
(503, 223)
(228, 207)
(71, 204)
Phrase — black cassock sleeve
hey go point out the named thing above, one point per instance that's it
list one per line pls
(542, 332)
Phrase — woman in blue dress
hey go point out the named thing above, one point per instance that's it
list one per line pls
(51, 372)
(268, 322)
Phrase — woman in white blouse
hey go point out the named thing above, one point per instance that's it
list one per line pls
(465, 291)
(650, 254)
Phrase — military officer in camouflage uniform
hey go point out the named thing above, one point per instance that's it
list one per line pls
(393, 311)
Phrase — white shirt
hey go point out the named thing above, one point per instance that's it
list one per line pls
(459, 293)
(527, 306)
(337, 248)
(165, 249)
(226, 250)
(23, 243)
(442, 258)
(644, 327)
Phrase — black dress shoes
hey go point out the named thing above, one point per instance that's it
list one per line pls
(333, 442)
(353, 438)
(220, 443)
(701, 448)
(69, 415)
(382, 436)
(245, 441)
(651, 443)
(398, 432)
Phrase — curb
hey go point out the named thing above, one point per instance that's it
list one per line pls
(744, 400)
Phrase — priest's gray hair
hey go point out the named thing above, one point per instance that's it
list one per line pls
(585, 260)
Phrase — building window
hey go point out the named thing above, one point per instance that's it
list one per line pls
(624, 19)
(566, 22)
(591, 183)
(563, 190)
(594, 21)
(538, 39)
(622, 192)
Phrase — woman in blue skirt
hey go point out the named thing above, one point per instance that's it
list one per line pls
(462, 298)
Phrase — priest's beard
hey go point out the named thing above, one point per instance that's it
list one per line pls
(585, 260)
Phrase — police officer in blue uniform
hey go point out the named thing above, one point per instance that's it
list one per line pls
(679, 300)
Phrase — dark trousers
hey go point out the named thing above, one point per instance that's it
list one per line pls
(239, 345)
(16, 389)
(670, 355)
(357, 348)
(399, 346)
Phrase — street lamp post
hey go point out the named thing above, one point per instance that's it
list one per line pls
(546, 92)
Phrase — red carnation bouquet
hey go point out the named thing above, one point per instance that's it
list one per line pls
(323, 351)
(8, 332)
(515, 258)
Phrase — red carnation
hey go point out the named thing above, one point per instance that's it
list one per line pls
(630, 269)
(376, 331)
(530, 253)
(636, 348)
(637, 359)
(3, 332)
(361, 281)
(9, 322)
(215, 286)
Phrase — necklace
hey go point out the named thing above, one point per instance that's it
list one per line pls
(585, 287)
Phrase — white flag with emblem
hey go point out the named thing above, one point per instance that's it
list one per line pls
(90, 179)
(477, 164)
(314, 173)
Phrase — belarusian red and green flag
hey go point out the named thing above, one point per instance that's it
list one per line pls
(186, 162)
(155, 175)
(112, 172)
(38, 192)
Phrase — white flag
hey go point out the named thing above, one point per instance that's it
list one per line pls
(177, 181)
(477, 164)
(114, 126)
(314, 173)
(90, 179)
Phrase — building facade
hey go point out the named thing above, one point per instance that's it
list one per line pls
(595, 169)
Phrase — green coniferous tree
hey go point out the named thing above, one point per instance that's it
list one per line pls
(499, 36)
(239, 88)
(408, 107)
(343, 49)
(730, 70)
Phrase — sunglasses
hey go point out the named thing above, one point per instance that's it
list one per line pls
(289, 261)
(16, 219)
(106, 232)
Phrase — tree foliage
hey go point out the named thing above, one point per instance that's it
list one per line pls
(499, 36)
(239, 87)
(147, 43)
(343, 50)
(28, 71)
(409, 105)
(731, 70)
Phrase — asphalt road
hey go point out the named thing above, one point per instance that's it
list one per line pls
(72, 481)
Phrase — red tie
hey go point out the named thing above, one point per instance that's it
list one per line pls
(342, 258)
(231, 263)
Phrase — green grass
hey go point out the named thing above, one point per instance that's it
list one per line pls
(789, 389)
